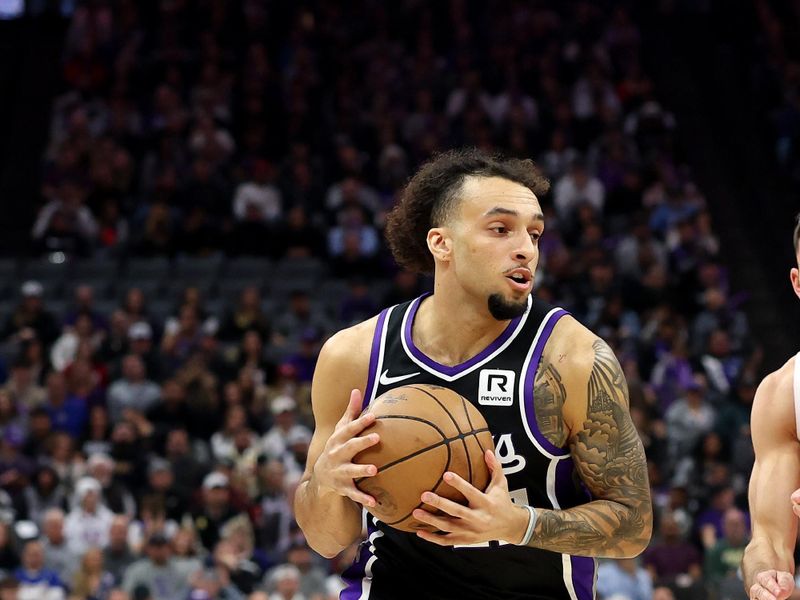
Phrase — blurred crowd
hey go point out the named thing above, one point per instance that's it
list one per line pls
(160, 451)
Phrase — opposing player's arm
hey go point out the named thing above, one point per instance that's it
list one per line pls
(607, 453)
(327, 502)
(768, 560)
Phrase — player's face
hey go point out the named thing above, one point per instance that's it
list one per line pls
(495, 243)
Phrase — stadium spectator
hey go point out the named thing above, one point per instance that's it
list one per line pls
(132, 391)
(58, 556)
(92, 580)
(624, 578)
(35, 580)
(157, 573)
(31, 314)
(88, 523)
(117, 555)
(215, 510)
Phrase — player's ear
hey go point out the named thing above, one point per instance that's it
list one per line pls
(439, 243)
(794, 275)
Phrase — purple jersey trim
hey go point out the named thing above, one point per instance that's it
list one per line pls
(530, 411)
(455, 370)
(583, 575)
(354, 575)
(374, 355)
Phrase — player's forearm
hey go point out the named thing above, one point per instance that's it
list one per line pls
(761, 555)
(602, 528)
(329, 521)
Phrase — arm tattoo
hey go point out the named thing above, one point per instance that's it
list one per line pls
(610, 459)
(548, 398)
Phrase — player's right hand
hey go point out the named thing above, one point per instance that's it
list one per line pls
(772, 585)
(796, 502)
(335, 469)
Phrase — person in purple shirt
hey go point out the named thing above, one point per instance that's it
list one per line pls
(67, 413)
(671, 558)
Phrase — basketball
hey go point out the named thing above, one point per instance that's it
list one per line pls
(425, 431)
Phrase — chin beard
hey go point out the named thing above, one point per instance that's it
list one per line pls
(503, 310)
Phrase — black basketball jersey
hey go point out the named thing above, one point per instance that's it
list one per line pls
(392, 564)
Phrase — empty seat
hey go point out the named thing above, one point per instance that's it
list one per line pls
(100, 269)
(198, 268)
(247, 267)
(300, 268)
(44, 271)
(142, 269)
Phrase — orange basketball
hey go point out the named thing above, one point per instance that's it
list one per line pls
(425, 430)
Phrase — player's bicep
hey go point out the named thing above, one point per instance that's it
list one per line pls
(335, 376)
(776, 472)
(604, 443)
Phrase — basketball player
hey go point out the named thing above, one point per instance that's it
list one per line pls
(768, 563)
(553, 394)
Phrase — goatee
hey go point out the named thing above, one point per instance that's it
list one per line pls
(503, 310)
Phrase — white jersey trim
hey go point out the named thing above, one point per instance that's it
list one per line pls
(521, 391)
(381, 352)
(477, 365)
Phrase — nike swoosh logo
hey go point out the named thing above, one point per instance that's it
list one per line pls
(386, 380)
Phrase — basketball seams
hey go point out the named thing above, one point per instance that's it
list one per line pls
(455, 423)
(437, 422)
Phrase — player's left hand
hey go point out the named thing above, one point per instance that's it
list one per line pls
(490, 515)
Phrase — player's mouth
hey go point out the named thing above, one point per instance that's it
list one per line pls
(520, 279)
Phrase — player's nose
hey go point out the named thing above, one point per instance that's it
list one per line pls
(525, 249)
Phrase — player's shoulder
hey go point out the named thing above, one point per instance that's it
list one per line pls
(778, 386)
(350, 347)
(575, 346)
(773, 414)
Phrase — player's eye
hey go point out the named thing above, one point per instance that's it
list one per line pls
(535, 235)
(500, 229)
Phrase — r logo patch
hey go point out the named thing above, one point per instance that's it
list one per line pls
(496, 387)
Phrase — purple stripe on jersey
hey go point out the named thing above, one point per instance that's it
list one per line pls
(444, 369)
(373, 358)
(354, 575)
(530, 374)
(583, 574)
(565, 491)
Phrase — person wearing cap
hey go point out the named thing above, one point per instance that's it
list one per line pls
(157, 572)
(140, 343)
(133, 390)
(276, 441)
(87, 524)
(688, 419)
(161, 485)
(31, 314)
(215, 510)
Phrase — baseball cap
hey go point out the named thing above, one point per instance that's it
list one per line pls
(158, 464)
(282, 404)
(298, 436)
(215, 480)
(140, 330)
(85, 485)
(32, 288)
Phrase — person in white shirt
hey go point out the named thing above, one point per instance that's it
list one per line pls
(133, 390)
(87, 525)
(276, 440)
(258, 196)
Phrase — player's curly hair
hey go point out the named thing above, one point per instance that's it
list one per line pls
(431, 194)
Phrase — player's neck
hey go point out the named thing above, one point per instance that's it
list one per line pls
(450, 329)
